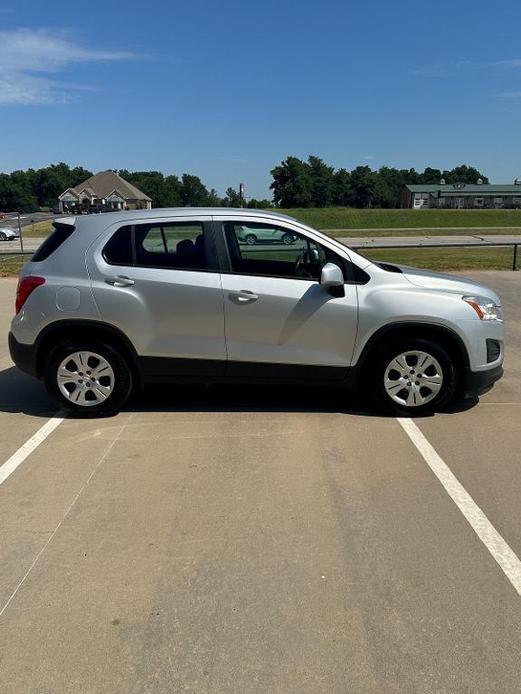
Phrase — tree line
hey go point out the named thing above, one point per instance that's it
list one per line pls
(29, 191)
(313, 183)
(37, 189)
(186, 191)
(296, 183)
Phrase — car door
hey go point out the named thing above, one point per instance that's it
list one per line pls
(277, 315)
(158, 282)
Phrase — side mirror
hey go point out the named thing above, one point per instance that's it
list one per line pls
(332, 278)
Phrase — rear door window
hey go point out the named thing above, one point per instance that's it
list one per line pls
(176, 246)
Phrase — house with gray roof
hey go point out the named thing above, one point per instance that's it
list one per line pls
(462, 196)
(103, 192)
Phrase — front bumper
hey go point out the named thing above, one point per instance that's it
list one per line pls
(479, 382)
(24, 356)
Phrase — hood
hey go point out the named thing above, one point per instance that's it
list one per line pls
(427, 279)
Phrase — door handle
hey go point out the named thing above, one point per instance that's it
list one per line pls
(243, 297)
(119, 281)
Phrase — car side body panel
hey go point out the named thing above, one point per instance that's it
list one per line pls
(164, 312)
(187, 324)
(390, 299)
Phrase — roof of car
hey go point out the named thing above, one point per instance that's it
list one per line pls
(155, 212)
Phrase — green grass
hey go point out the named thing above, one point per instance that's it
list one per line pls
(38, 230)
(10, 264)
(445, 258)
(385, 222)
(350, 218)
(431, 258)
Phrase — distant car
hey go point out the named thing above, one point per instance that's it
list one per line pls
(9, 234)
(246, 235)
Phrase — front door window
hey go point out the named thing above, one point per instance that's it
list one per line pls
(266, 250)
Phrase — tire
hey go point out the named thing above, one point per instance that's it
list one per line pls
(421, 393)
(81, 390)
(3, 237)
(288, 239)
(251, 239)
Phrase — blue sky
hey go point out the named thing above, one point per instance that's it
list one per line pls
(227, 89)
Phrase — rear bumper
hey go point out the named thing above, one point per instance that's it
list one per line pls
(479, 382)
(24, 356)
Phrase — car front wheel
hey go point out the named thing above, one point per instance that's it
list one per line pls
(88, 378)
(414, 377)
(3, 237)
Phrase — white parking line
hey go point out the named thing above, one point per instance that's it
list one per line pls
(29, 446)
(489, 536)
(104, 455)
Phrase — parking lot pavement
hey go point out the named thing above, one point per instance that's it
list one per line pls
(23, 402)
(213, 541)
(484, 444)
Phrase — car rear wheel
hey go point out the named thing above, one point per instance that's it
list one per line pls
(251, 239)
(414, 377)
(88, 378)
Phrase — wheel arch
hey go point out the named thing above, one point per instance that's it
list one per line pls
(60, 331)
(439, 334)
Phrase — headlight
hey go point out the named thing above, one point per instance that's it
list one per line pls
(486, 308)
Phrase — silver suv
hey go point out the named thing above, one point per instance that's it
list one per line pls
(111, 302)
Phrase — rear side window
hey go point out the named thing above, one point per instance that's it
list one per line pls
(60, 234)
(118, 250)
(176, 246)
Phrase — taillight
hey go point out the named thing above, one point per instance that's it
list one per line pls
(25, 288)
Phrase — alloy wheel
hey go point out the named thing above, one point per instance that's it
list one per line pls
(413, 378)
(85, 378)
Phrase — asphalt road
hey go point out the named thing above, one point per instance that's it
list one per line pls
(11, 220)
(403, 241)
(242, 541)
(31, 244)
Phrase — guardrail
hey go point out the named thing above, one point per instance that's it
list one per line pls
(470, 244)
